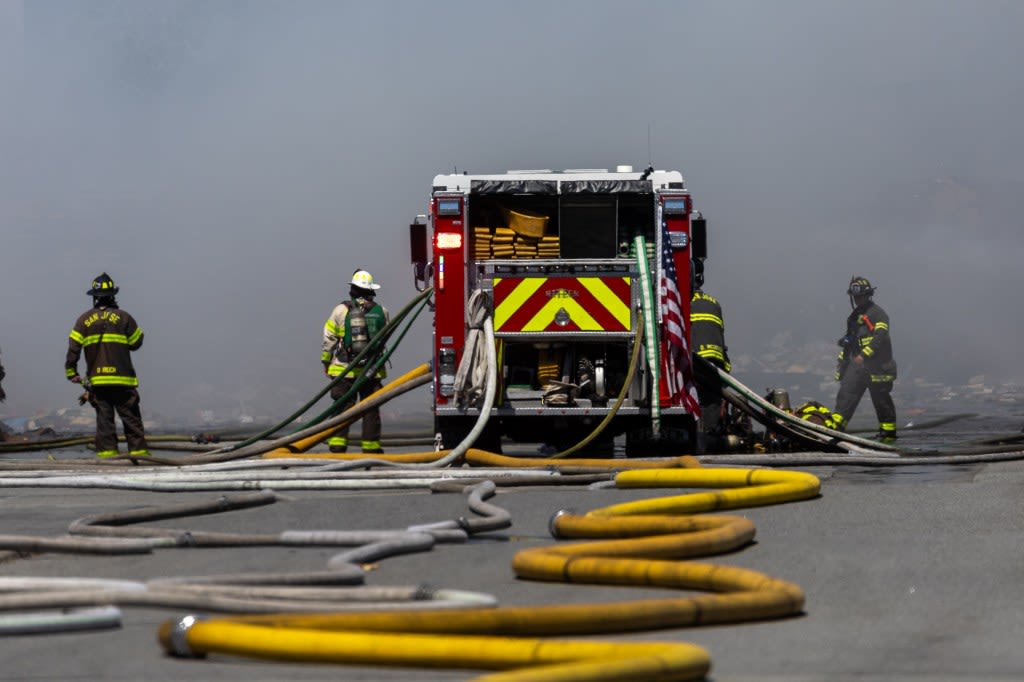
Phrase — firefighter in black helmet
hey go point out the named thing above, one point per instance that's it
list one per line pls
(866, 361)
(347, 331)
(108, 335)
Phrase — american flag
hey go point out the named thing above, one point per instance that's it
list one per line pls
(677, 367)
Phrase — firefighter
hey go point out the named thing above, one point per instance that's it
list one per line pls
(866, 361)
(108, 335)
(707, 334)
(351, 326)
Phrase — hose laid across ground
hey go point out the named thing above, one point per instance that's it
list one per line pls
(793, 422)
(307, 438)
(370, 350)
(640, 543)
(251, 592)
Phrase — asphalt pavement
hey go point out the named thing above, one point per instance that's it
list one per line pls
(910, 574)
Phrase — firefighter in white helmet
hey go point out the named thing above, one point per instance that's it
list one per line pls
(351, 326)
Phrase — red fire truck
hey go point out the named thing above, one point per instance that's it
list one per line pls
(556, 254)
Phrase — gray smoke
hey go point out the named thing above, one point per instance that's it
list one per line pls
(231, 163)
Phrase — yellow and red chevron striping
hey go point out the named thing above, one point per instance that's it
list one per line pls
(531, 304)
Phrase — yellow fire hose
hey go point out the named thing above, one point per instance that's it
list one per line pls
(640, 544)
(544, 660)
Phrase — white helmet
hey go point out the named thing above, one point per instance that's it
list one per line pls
(363, 280)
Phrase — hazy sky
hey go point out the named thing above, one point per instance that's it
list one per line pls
(231, 163)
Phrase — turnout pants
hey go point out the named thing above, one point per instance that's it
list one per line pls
(709, 395)
(371, 418)
(856, 380)
(124, 401)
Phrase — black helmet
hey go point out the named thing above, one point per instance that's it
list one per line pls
(860, 286)
(698, 273)
(102, 286)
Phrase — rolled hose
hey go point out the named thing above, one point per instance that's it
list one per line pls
(640, 544)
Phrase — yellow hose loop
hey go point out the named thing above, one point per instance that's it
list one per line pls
(663, 536)
(639, 544)
(612, 618)
(483, 458)
(308, 442)
(747, 488)
(781, 597)
(531, 659)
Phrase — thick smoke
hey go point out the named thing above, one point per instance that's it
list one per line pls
(231, 163)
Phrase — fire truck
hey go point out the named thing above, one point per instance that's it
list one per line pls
(558, 257)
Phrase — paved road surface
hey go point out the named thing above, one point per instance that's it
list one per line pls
(910, 575)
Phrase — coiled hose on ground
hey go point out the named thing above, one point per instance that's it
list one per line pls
(637, 543)
(332, 590)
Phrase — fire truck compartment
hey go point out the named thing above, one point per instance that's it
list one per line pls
(586, 226)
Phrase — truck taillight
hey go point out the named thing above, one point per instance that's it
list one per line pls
(449, 240)
(446, 372)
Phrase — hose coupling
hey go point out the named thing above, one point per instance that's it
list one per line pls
(553, 522)
(179, 638)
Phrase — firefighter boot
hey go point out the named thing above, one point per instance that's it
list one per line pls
(887, 432)
(372, 447)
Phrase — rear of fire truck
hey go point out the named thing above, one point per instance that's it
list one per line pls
(555, 255)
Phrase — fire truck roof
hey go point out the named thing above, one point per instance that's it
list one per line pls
(543, 181)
